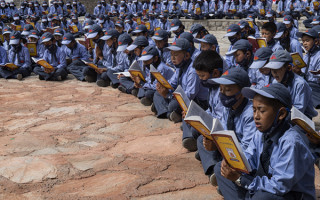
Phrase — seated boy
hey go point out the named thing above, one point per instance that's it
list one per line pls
(161, 39)
(268, 31)
(282, 165)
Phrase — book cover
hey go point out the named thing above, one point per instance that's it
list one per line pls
(73, 29)
(43, 63)
(11, 66)
(262, 42)
(92, 65)
(254, 43)
(160, 78)
(32, 47)
(297, 60)
(135, 70)
(182, 98)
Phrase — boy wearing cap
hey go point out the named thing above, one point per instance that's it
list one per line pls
(275, 153)
(130, 25)
(233, 34)
(18, 55)
(185, 75)
(164, 24)
(76, 52)
(177, 28)
(99, 9)
(17, 21)
(268, 31)
(33, 37)
(288, 21)
(280, 65)
(161, 39)
(142, 30)
(6, 32)
(75, 22)
(193, 50)
(56, 57)
(120, 27)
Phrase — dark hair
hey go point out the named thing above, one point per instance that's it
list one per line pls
(207, 61)
(270, 26)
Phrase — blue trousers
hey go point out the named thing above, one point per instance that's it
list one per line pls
(77, 68)
(127, 83)
(88, 71)
(52, 76)
(5, 73)
(189, 131)
(146, 93)
(113, 77)
(164, 106)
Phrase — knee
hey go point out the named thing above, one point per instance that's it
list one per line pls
(262, 195)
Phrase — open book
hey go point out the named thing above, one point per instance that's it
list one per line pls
(73, 29)
(202, 121)
(87, 43)
(50, 30)
(43, 63)
(16, 27)
(297, 60)
(160, 78)
(126, 74)
(257, 43)
(230, 149)
(11, 66)
(92, 65)
(182, 98)
(32, 47)
(304, 122)
(135, 70)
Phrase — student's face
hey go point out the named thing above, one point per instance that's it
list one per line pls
(148, 62)
(207, 46)
(6, 36)
(203, 75)
(263, 113)
(119, 29)
(109, 42)
(160, 43)
(278, 74)
(239, 56)
(140, 34)
(177, 57)
(307, 42)
(267, 34)
(137, 51)
(58, 37)
(289, 25)
(46, 44)
(229, 90)
(264, 71)
(32, 39)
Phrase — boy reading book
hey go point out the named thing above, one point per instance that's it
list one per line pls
(269, 31)
(281, 162)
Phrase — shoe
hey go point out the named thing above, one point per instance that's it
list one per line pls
(134, 92)
(190, 144)
(213, 180)
(153, 109)
(115, 86)
(175, 117)
(59, 78)
(102, 83)
(181, 127)
(146, 101)
(122, 89)
(197, 155)
(19, 77)
(41, 78)
(89, 79)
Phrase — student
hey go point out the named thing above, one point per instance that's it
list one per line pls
(56, 57)
(141, 30)
(275, 154)
(233, 34)
(120, 27)
(161, 39)
(207, 65)
(288, 21)
(6, 32)
(150, 56)
(288, 43)
(251, 18)
(33, 37)
(76, 52)
(18, 55)
(312, 59)
(193, 50)
(164, 104)
(177, 28)
(268, 31)
(263, 75)
(236, 116)
(75, 22)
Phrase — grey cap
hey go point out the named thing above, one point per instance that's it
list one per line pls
(316, 28)
(160, 35)
(140, 28)
(273, 91)
(58, 31)
(175, 24)
(26, 29)
(195, 29)
(88, 24)
(148, 53)
(311, 32)
(110, 33)
(250, 17)
(270, 13)
(232, 30)
(287, 19)
(15, 37)
(119, 23)
(316, 20)
(34, 34)
(241, 44)
(261, 57)
(93, 32)
(187, 36)
(123, 41)
(67, 38)
(243, 24)
(278, 59)
(234, 76)
(209, 38)
(6, 30)
(46, 37)
(139, 41)
(179, 44)
(281, 27)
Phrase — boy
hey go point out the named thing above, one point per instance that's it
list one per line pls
(268, 31)
(288, 21)
(281, 162)
(33, 37)
(161, 39)
(233, 34)
(177, 28)
(55, 57)
(142, 30)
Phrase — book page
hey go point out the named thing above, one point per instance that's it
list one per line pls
(304, 122)
(126, 74)
(182, 98)
(254, 43)
(92, 65)
(297, 60)
(11, 66)
(32, 49)
(262, 42)
(135, 70)
(44, 64)
(160, 78)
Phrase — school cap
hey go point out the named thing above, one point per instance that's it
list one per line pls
(233, 76)
(140, 28)
(16, 16)
(46, 37)
(241, 44)
(50, 16)
(160, 35)
(139, 41)
(67, 38)
(250, 18)
(119, 23)
(148, 53)
(243, 24)
(261, 57)
(270, 13)
(34, 34)
(93, 31)
(278, 59)
(316, 20)
(316, 28)
(281, 27)
(44, 18)
(26, 29)
(101, 19)
(15, 37)
(209, 38)
(175, 24)
(179, 44)
(56, 18)
(311, 32)
(195, 29)
(123, 41)
(287, 19)
(110, 33)
(273, 91)
(7, 30)
(88, 24)
(58, 31)
(186, 35)
(232, 30)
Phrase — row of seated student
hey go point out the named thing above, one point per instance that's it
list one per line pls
(224, 86)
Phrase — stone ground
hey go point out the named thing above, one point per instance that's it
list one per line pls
(75, 140)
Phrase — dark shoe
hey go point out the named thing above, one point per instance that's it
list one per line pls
(213, 180)
(134, 92)
(122, 89)
(19, 77)
(102, 83)
(190, 144)
(59, 78)
(41, 78)
(115, 86)
(175, 117)
(197, 155)
(153, 109)
(181, 127)
(89, 79)
(146, 101)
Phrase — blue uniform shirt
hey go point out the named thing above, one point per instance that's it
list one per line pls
(58, 60)
(21, 59)
(3, 56)
(79, 52)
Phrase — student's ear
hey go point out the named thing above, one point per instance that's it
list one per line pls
(248, 54)
(188, 56)
(289, 67)
(283, 112)
(213, 47)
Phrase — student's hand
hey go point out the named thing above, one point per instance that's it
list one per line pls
(296, 70)
(119, 76)
(48, 71)
(162, 90)
(228, 172)
(101, 70)
(183, 114)
(315, 72)
(136, 80)
(313, 140)
(209, 144)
